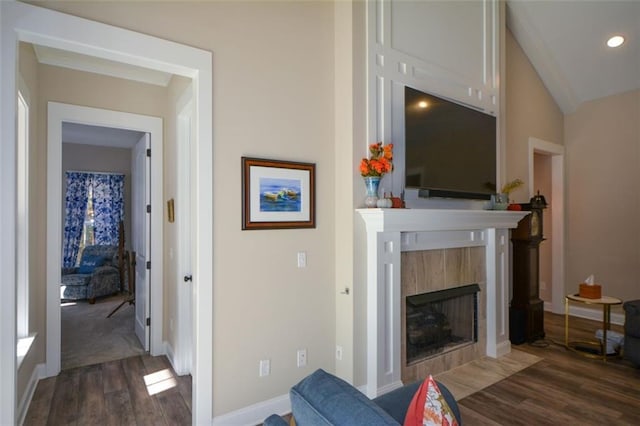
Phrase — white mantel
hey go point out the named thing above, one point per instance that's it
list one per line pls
(391, 231)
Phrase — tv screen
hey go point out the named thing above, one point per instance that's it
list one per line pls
(450, 149)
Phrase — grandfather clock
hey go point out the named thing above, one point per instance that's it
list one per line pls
(526, 312)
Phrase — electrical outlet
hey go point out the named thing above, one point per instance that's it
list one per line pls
(302, 259)
(543, 285)
(265, 367)
(339, 352)
(302, 357)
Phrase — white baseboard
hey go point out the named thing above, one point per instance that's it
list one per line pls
(503, 348)
(170, 354)
(390, 387)
(256, 413)
(25, 401)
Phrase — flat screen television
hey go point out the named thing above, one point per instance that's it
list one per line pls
(450, 149)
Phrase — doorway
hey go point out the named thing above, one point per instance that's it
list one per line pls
(100, 328)
(546, 174)
(24, 22)
(64, 113)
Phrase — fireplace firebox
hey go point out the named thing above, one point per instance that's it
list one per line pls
(441, 321)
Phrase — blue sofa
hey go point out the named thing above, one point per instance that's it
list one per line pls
(632, 331)
(324, 399)
(98, 275)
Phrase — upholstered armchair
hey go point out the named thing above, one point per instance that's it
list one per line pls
(632, 331)
(97, 275)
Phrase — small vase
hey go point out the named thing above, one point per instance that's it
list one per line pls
(371, 183)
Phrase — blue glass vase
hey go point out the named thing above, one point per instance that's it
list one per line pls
(371, 183)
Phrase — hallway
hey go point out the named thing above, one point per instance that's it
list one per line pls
(140, 390)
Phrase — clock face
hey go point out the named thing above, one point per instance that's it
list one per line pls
(535, 223)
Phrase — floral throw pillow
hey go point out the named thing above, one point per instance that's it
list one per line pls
(429, 408)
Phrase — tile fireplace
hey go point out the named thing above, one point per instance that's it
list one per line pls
(444, 248)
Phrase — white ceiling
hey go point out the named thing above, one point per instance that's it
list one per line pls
(98, 135)
(566, 43)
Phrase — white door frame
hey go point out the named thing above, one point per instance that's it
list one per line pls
(556, 152)
(24, 22)
(57, 114)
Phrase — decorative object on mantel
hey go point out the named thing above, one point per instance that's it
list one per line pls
(372, 169)
(385, 202)
(277, 194)
(501, 201)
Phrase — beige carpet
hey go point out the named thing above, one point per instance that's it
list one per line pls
(476, 375)
(89, 337)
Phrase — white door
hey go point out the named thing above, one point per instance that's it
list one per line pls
(141, 237)
(185, 215)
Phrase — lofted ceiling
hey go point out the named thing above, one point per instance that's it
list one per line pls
(566, 43)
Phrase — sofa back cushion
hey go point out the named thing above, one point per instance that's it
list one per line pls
(324, 399)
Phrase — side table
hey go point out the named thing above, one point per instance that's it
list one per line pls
(599, 346)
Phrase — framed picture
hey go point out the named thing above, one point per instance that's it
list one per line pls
(277, 194)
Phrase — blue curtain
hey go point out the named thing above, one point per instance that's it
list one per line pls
(108, 208)
(75, 210)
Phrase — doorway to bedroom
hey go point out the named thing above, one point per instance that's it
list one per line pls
(101, 189)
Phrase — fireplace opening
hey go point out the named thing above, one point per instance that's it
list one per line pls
(441, 321)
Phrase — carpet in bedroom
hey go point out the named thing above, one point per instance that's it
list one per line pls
(89, 337)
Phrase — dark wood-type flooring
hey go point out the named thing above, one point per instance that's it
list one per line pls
(565, 388)
(141, 390)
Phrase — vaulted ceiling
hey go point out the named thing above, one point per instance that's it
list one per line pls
(566, 43)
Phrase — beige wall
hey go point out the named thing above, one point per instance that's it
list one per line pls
(91, 158)
(273, 86)
(603, 201)
(530, 112)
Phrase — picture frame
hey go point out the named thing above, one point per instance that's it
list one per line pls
(277, 194)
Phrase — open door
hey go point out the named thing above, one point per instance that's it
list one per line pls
(185, 217)
(141, 236)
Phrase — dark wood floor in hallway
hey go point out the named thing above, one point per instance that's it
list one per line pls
(141, 390)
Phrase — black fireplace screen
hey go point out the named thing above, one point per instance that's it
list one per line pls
(441, 321)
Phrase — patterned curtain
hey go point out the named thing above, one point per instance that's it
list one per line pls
(75, 210)
(108, 207)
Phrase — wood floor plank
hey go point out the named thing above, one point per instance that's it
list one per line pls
(119, 411)
(40, 406)
(91, 407)
(113, 376)
(64, 404)
(175, 410)
(145, 409)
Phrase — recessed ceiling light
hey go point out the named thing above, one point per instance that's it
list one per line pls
(615, 41)
(423, 104)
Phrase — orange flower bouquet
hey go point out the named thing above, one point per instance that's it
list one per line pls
(372, 169)
(380, 160)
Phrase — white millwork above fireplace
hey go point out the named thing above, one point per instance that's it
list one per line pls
(392, 231)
